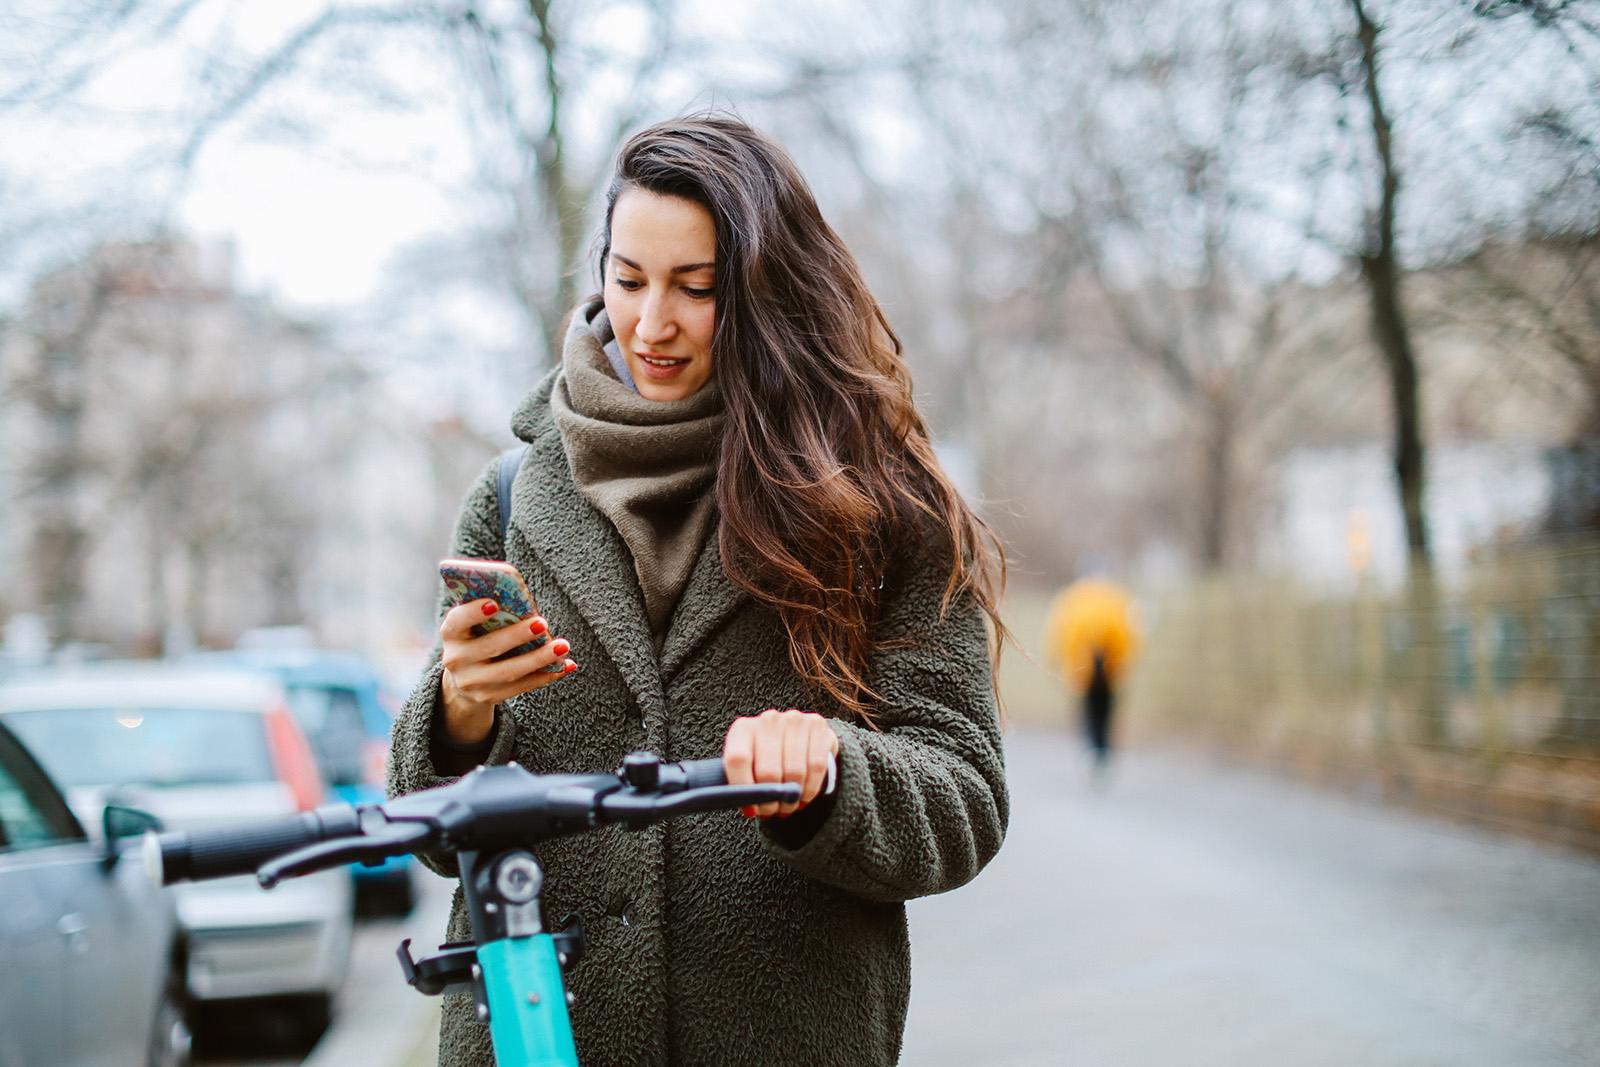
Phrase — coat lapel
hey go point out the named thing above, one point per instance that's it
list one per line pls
(588, 560)
(708, 601)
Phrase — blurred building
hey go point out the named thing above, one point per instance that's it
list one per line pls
(182, 461)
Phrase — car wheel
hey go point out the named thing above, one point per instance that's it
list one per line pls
(313, 1014)
(400, 894)
(171, 1039)
(386, 898)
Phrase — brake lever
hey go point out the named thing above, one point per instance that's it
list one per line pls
(730, 796)
(644, 808)
(400, 839)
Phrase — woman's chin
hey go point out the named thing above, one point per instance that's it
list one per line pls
(663, 392)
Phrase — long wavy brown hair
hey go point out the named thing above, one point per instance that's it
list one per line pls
(826, 470)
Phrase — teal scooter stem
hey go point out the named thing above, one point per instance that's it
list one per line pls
(528, 1020)
(517, 981)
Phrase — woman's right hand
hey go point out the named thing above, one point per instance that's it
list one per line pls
(473, 682)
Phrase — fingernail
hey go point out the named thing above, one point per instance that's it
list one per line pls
(748, 812)
(490, 608)
(537, 626)
(569, 667)
(561, 647)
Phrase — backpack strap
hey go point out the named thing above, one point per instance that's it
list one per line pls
(510, 461)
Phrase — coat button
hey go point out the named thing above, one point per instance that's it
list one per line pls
(625, 914)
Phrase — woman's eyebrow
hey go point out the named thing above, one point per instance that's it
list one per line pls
(684, 269)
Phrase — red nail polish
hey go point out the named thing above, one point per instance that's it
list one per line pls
(490, 608)
(561, 647)
(569, 667)
(537, 626)
(748, 812)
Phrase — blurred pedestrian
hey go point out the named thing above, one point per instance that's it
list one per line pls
(1092, 639)
(730, 503)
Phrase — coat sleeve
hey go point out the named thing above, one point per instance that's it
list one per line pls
(921, 805)
(477, 536)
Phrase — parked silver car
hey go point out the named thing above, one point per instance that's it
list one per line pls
(199, 748)
(90, 956)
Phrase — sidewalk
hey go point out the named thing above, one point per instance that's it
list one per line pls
(426, 1052)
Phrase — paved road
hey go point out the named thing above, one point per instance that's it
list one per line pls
(1190, 914)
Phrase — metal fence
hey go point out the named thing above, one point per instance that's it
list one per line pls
(1480, 697)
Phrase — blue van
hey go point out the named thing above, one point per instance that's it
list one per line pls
(346, 710)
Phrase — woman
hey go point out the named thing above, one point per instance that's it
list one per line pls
(731, 511)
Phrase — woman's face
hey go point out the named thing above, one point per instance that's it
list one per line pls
(659, 277)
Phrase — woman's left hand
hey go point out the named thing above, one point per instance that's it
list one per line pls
(780, 746)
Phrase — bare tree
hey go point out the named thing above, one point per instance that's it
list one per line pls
(1534, 290)
(1537, 301)
(45, 366)
(1379, 259)
(1168, 224)
(538, 71)
(1148, 243)
(538, 77)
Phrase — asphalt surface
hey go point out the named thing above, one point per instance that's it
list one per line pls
(1182, 912)
(1187, 913)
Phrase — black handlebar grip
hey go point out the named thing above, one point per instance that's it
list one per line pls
(699, 773)
(241, 848)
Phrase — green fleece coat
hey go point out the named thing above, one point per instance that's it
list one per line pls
(717, 939)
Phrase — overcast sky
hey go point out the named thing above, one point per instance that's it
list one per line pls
(313, 213)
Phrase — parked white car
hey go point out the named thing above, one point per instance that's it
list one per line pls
(200, 748)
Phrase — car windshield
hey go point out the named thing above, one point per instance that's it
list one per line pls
(146, 746)
(331, 719)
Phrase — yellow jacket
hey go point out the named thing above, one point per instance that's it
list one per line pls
(1091, 615)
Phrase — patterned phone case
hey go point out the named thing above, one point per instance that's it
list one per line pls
(477, 579)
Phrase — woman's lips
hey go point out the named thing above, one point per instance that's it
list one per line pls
(660, 368)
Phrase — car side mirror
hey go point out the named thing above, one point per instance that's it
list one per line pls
(119, 822)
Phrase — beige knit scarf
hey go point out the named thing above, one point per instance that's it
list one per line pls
(648, 466)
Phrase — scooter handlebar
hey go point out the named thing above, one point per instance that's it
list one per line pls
(239, 849)
(184, 855)
(700, 773)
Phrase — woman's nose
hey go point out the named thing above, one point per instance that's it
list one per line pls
(655, 323)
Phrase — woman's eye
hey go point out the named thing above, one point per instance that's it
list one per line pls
(628, 284)
(699, 294)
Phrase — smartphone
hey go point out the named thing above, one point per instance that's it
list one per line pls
(478, 579)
